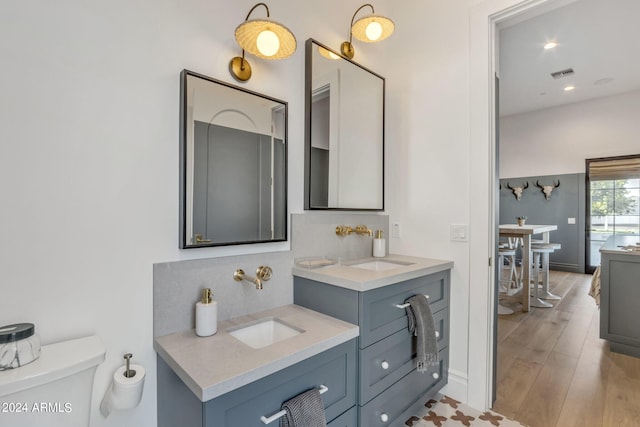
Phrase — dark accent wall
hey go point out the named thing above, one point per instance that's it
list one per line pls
(319, 177)
(566, 201)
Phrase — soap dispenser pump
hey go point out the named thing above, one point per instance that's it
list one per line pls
(206, 314)
(379, 245)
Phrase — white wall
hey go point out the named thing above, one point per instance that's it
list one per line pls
(558, 140)
(89, 157)
(89, 147)
(442, 160)
(427, 147)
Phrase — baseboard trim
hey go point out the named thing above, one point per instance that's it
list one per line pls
(458, 386)
(571, 268)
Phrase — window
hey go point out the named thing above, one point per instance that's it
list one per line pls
(613, 203)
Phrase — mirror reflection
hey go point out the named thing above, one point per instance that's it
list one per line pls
(233, 165)
(344, 157)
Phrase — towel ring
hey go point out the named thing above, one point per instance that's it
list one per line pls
(406, 304)
(268, 420)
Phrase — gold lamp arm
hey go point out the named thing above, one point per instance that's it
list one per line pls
(254, 7)
(247, 35)
(354, 17)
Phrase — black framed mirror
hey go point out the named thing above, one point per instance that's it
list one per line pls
(344, 133)
(233, 164)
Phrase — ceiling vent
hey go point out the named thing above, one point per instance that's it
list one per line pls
(562, 73)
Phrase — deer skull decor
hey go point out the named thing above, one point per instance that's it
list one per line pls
(547, 189)
(517, 191)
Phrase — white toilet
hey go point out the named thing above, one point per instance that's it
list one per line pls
(54, 390)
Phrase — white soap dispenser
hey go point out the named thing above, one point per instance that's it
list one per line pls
(379, 245)
(206, 314)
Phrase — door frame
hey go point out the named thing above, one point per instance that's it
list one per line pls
(483, 38)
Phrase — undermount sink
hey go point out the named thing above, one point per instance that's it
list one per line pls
(264, 332)
(379, 265)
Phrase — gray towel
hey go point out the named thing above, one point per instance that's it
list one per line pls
(422, 326)
(304, 410)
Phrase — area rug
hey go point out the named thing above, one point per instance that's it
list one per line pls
(448, 412)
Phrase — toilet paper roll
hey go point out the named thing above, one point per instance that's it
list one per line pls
(123, 393)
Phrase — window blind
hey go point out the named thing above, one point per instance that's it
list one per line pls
(618, 168)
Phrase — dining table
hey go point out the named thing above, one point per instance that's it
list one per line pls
(525, 232)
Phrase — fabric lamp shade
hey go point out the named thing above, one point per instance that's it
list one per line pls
(266, 39)
(372, 28)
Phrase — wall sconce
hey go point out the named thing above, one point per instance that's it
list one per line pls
(327, 53)
(263, 38)
(370, 29)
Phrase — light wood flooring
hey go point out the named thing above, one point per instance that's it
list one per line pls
(554, 370)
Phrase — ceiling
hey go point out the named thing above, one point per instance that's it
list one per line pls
(599, 39)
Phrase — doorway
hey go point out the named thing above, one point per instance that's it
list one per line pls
(505, 24)
(614, 214)
(484, 18)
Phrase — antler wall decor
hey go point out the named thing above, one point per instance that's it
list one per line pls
(517, 191)
(547, 189)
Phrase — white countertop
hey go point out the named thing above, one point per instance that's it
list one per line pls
(212, 366)
(361, 280)
(616, 245)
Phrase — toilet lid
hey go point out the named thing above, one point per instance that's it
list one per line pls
(56, 361)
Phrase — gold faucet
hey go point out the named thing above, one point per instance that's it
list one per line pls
(344, 230)
(263, 274)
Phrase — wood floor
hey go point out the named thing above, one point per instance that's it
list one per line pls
(554, 370)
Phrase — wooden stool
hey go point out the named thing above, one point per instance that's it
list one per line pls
(536, 301)
(543, 250)
(513, 283)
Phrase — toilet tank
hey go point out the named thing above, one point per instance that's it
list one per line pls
(54, 390)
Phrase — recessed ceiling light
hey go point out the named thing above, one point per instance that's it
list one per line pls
(603, 81)
(550, 45)
(569, 88)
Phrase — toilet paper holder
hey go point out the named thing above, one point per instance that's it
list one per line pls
(129, 373)
(125, 390)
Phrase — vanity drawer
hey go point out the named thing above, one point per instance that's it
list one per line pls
(379, 317)
(390, 359)
(334, 368)
(348, 419)
(396, 399)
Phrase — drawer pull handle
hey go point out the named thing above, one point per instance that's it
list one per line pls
(437, 334)
(277, 415)
(384, 417)
(435, 375)
(384, 365)
(406, 304)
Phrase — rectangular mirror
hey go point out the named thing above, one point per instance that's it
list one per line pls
(233, 164)
(344, 133)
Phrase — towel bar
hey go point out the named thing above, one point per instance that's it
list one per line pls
(268, 420)
(405, 305)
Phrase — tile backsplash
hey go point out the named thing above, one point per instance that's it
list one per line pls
(177, 286)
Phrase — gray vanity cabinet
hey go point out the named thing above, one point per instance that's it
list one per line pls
(388, 383)
(334, 368)
(620, 295)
